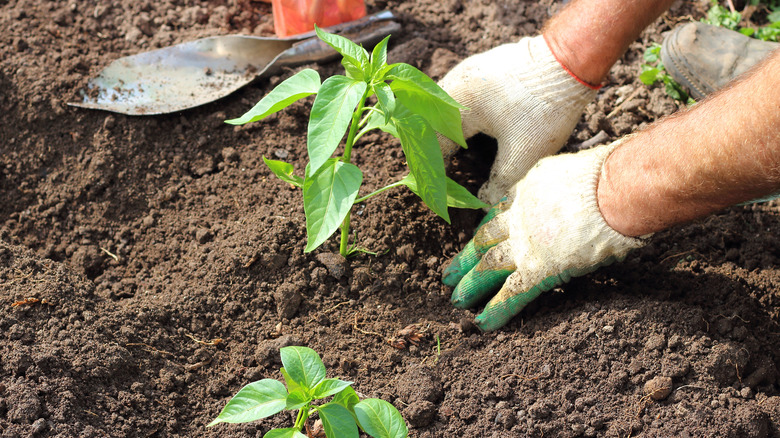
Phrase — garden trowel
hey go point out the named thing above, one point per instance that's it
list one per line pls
(194, 73)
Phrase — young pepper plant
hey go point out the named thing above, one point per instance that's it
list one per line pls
(304, 373)
(409, 105)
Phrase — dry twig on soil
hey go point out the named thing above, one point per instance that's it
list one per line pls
(30, 301)
(212, 342)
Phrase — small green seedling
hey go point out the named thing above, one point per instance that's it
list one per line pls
(721, 16)
(654, 71)
(304, 373)
(409, 105)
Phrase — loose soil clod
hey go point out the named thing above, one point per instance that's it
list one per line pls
(658, 388)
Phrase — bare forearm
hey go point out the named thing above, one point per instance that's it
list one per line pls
(588, 37)
(723, 151)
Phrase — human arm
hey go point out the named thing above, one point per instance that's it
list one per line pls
(720, 152)
(573, 213)
(530, 95)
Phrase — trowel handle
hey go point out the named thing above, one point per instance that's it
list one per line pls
(367, 31)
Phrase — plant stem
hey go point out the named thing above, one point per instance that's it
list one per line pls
(353, 127)
(303, 415)
(344, 246)
(376, 192)
(369, 111)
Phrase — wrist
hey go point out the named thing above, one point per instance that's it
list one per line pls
(581, 71)
(609, 202)
(622, 194)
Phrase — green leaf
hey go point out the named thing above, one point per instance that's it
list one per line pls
(774, 17)
(291, 384)
(649, 75)
(303, 365)
(304, 83)
(353, 72)
(351, 52)
(381, 73)
(347, 398)
(329, 387)
(254, 401)
(652, 53)
(380, 419)
(337, 421)
(457, 195)
(424, 97)
(377, 121)
(673, 90)
(284, 171)
(297, 399)
(386, 99)
(407, 73)
(330, 117)
(720, 16)
(328, 196)
(423, 156)
(379, 56)
(289, 432)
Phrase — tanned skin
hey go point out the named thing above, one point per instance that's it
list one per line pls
(720, 152)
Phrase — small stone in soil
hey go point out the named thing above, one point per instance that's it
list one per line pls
(405, 252)
(335, 263)
(230, 154)
(287, 302)
(39, 426)
(659, 387)
(420, 414)
(467, 325)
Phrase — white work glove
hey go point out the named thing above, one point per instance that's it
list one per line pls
(520, 95)
(546, 231)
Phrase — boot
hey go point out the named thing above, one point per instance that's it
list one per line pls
(704, 58)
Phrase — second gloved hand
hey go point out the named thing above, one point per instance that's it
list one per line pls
(548, 230)
(520, 95)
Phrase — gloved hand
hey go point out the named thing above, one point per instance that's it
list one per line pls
(548, 230)
(520, 95)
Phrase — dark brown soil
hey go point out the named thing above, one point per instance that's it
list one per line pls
(162, 264)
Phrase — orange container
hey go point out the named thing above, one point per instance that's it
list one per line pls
(292, 17)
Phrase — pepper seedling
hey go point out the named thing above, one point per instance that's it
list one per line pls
(409, 106)
(304, 373)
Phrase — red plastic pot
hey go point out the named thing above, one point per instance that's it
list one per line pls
(292, 17)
